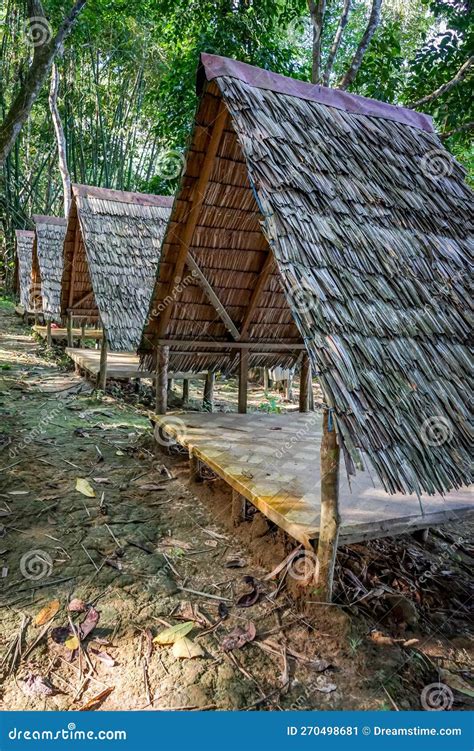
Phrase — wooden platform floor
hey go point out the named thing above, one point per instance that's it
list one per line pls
(273, 461)
(119, 364)
(59, 333)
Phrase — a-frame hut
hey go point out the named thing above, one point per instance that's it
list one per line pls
(48, 266)
(313, 222)
(24, 255)
(111, 255)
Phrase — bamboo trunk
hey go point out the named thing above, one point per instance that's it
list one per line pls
(102, 379)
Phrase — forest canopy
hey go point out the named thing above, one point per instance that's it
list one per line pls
(124, 79)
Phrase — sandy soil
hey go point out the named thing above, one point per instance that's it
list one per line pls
(152, 548)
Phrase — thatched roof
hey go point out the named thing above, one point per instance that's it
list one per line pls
(24, 252)
(111, 255)
(365, 218)
(48, 252)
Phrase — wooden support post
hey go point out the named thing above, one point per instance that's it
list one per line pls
(239, 506)
(161, 380)
(330, 520)
(266, 379)
(305, 383)
(195, 468)
(243, 380)
(185, 392)
(208, 399)
(70, 342)
(49, 338)
(289, 387)
(102, 377)
(83, 334)
(170, 385)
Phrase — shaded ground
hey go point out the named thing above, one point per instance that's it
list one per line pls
(152, 549)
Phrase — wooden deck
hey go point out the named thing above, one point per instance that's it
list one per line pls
(59, 333)
(273, 461)
(120, 365)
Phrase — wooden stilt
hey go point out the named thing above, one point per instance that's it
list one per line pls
(83, 335)
(305, 380)
(195, 468)
(170, 385)
(102, 375)
(330, 520)
(70, 342)
(49, 338)
(161, 380)
(239, 505)
(208, 399)
(185, 392)
(265, 379)
(289, 388)
(243, 380)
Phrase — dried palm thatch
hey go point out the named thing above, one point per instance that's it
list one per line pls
(112, 249)
(48, 262)
(322, 217)
(24, 253)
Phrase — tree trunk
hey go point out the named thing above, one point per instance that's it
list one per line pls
(60, 139)
(317, 10)
(329, 520)
(336, 41)
(374, 20)
(45, 50)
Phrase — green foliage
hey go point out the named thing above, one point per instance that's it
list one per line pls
(270, 405)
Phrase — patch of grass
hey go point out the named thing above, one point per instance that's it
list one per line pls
(270, 406)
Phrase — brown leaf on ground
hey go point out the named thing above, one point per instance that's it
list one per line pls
(77, 606)
(238, 637)
(89, 623)
(187, 648)
(96, 700)
(46, 613)
(36, 685)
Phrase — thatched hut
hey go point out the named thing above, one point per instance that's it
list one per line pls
(48, 263)
(320, 222)
(24, 255)
(111, 255)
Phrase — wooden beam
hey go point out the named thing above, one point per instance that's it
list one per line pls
(255, 345)
(329, 519)
(49, 339)
(102, 375)
(185, 392)
(70, 341)
(208, 399)
(218, 306)
(161, 380)
(257, 293)
(305, 383)
(82, 299)
(184, 238)
(243, 380)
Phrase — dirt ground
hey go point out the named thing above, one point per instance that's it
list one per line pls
(89, 581)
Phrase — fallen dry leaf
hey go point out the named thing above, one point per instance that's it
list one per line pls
(456, 682)
(76, 605)
(72, 643)
(83, 486)
(238, 637)
(89, 623)
(36, 685)
(96, 700)
(187, 648)
(46, 613)
(174, 633)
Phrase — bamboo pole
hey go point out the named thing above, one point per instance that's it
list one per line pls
(243, 380)
(208, 399)
(329, 519)
(305, 382)
(83, 334)
(102, 377)
(161, 380)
